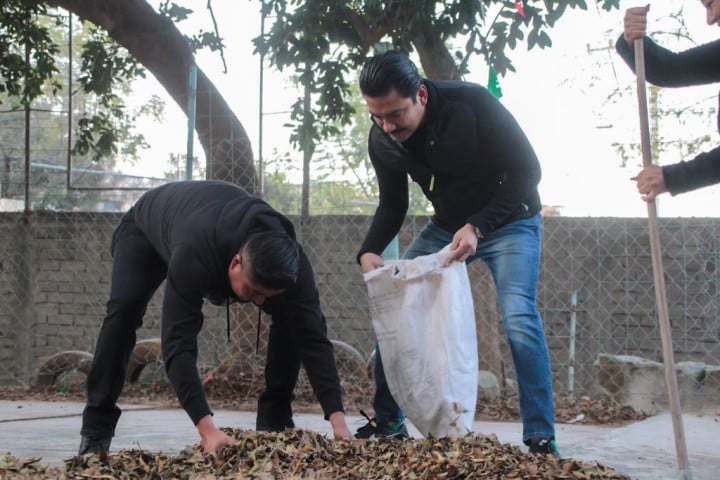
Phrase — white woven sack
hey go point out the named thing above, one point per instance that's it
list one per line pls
(424, 321)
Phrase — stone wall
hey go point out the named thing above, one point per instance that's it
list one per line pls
(54, 279)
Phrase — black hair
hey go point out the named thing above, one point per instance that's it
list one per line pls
(389, 70)
(274, 259)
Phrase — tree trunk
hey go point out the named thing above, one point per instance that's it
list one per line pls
(436, 60)
(155, 42)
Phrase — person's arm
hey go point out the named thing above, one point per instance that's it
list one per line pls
(392, 206)
(664, 68)
(681, 177)
(701, 171)
(298, 311)
(182, 320)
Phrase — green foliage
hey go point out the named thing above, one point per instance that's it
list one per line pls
(174, 12)
(343, 180)
(178, 13)
(104, 62)
(32, 45)
(178, 166)
(102, 126)
(30, 49)
(27, 51)
(326, 39)
(104, 65)
(278, 191)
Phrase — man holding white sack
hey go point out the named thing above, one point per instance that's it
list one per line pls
(479, 171)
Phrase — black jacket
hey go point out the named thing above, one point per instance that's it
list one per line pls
(197, 227)
(475, 165)
(664, 68)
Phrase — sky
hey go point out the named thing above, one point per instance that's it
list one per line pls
(558, 95)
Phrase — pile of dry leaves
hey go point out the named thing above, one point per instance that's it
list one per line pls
(297, 454)
(300, 454)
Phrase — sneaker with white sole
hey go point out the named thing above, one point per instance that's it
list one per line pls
(375, 429)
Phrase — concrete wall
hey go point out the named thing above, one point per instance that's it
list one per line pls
(54, 279)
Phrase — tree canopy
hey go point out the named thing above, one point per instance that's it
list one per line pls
(150, 41)
(320, 40)
(324, 39)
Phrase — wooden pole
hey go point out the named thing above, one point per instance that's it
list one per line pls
(659, 274)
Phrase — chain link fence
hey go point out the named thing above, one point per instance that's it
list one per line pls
(596, 289)
(596, 296)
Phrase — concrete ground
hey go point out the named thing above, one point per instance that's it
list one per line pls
(643, 450)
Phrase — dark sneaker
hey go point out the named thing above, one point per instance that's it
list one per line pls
(378, 429)
(264, 425)
(94, 445)
(544, 446)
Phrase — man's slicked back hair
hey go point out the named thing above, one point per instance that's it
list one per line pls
(389, 70)
(274, 259)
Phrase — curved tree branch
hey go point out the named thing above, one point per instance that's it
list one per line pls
(155, 42)
(368, 35)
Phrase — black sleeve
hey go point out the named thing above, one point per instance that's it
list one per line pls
(500, 136)
(699, 172)
(182, 320)
(664, 68)
(298, 310)
(392, 206)
(695, 66)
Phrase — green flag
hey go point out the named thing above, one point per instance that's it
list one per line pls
(493, 83)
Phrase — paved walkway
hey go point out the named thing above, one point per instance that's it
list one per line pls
(643, 450)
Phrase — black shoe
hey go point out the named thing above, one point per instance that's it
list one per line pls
(544, 446)
(264, 425)
(94, 445)
(374, 429)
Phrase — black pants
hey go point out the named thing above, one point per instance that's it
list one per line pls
(281, 373)
(137, 272)
(283, 362)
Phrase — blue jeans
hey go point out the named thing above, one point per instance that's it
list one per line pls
(512, 254)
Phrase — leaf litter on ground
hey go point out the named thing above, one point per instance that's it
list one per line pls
(300, 454)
